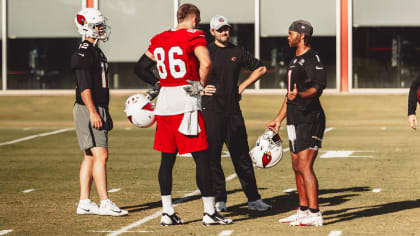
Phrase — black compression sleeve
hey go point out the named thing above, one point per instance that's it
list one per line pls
(143, 70)
(84, 79)
(412, 97)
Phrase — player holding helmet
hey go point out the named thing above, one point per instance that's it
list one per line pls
(91, 115)
(306, 80)
(183, 63)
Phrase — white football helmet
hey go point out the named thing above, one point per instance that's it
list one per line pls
(140, 111)
(268, 150)
(86, 21)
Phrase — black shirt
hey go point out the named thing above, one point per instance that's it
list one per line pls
(306, 71)
(414, 96)
(91, 68)
(226, 64)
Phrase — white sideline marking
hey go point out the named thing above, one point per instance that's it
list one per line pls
(226, 233)
(158, 213)
(3, 232)
(28, 190)
(376, 190)
(114, 190)
(289, 190)
(335, 233)
(36, 136)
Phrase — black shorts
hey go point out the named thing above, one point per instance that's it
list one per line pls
(306, 135)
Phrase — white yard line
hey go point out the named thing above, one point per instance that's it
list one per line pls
(36, 136)
(3, 232)
(28, 190)
(226, 233)
(158, 213)
(335, 233)
(114, 190)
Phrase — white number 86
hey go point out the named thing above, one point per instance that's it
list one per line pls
(159, 54)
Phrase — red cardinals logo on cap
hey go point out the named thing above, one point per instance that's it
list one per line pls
(81, 20)
(266, 159)
(221, 20)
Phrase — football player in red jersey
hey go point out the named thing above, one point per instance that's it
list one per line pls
(413, 99)
(183, 63)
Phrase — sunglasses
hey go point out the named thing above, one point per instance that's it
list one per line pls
(224, 28)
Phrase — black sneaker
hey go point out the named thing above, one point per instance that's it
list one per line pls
(215, 219)
(173, 219)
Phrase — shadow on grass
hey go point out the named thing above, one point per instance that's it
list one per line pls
(368, 211)
(288, 202)
(158, 204)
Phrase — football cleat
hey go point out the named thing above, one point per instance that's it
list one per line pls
(297, 216)
(173, 219)
(221, 206)
(215, 219)
(259, 205)
(311, 219)
(108, 208)
(87, 208)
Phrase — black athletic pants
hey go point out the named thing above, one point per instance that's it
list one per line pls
(202, 177)
(230, 129)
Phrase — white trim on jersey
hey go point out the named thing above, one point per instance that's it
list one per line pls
(289, 78)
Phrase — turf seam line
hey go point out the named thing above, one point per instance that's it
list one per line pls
(36, 136)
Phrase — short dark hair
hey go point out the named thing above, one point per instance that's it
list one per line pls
(187, 9)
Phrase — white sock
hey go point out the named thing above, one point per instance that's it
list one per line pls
(84, 201)
(104, 201)
(209, 205)
(167, 204)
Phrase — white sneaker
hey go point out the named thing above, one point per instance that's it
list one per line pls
(108, 208)
(221, 206)
(89, 208)
(258, 205)
(297, 216)
(215, 219)
(173, 219)
(312, 219)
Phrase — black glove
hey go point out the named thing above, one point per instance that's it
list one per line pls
(153, 92)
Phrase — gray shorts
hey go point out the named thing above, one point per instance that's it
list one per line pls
(87, 135)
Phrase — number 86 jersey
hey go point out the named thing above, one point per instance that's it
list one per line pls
(174, 54)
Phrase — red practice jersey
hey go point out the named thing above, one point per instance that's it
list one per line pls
(174, 54)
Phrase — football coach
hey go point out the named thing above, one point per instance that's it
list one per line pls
(223, 116)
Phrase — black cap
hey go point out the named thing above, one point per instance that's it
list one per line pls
(302, 26)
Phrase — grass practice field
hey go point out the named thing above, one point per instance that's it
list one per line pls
(368, 172)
